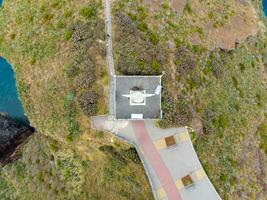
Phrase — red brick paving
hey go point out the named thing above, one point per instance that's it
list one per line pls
(155, 160)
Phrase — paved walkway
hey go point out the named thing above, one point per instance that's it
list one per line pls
(109, 53)
(155, 160)
(165, 166)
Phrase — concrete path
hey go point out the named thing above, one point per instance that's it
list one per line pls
(155, 160)
(110, 62)
(165, 166)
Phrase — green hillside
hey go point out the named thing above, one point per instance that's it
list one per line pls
(57, 50)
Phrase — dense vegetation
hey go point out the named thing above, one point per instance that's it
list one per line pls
(219, 93)
(130, 60)
(57, 49)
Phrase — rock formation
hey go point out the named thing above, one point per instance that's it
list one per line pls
(12, 135)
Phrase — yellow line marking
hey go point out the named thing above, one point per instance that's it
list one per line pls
(161, 193)
(199, 174)
(183, 137)
(160, 144)
(179, 184)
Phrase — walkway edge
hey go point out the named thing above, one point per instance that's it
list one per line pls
(116, 134)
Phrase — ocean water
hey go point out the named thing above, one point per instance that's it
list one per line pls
(264, 3)
(9, 100)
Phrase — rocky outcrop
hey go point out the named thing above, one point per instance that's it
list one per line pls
(12, 135)
(222, 24)
(215, 23)
(176, 5)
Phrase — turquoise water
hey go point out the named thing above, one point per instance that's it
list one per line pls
(264, 3)
(9, 100)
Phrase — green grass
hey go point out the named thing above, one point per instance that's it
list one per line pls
(41, 39)
(90, 11)
(221, 89)
(63, 160)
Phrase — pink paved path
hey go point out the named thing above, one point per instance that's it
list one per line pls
(155, 160)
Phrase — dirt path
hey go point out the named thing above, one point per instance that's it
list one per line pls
(173, 75)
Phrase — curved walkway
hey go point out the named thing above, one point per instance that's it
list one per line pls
(165, 165)
(155, 160)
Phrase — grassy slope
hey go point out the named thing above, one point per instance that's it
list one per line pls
(64, 160)
(216, 91)
(37, 41)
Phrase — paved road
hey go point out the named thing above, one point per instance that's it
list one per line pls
(110, 62)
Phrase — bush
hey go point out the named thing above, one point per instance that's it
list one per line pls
(137, 52)
(125, 25)
(89, 12)
(184, 61)
(67, 35)
(175, 112)
(142, 26)
(261, 132)
(207, 120)
(188, 8)
(88, 103)
(153, 37)
(71, 112)
(85, 80)
(116, 155)
(132, 155)
(85, 35)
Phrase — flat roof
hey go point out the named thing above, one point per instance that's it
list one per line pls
(152, 107)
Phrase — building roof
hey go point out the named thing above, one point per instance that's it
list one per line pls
(125, 95)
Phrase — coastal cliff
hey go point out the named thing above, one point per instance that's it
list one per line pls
(212, 55)
(12, 135)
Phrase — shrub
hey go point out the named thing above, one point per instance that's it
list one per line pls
(137, 52)
(261, 132)
(89, 12)
(68, 13)
(153, 37)
(85, 80)
(88, 102)
(117, 156)
(175, 112)
(99, 134)
(85, 35)
(125, 25)
(132, 155)
(53, 145)
(73, 128)
(217, 63)
(67, 35)
(165, 5)
(188, 8)
(184, 61)
(207, 120)
(142, 26)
